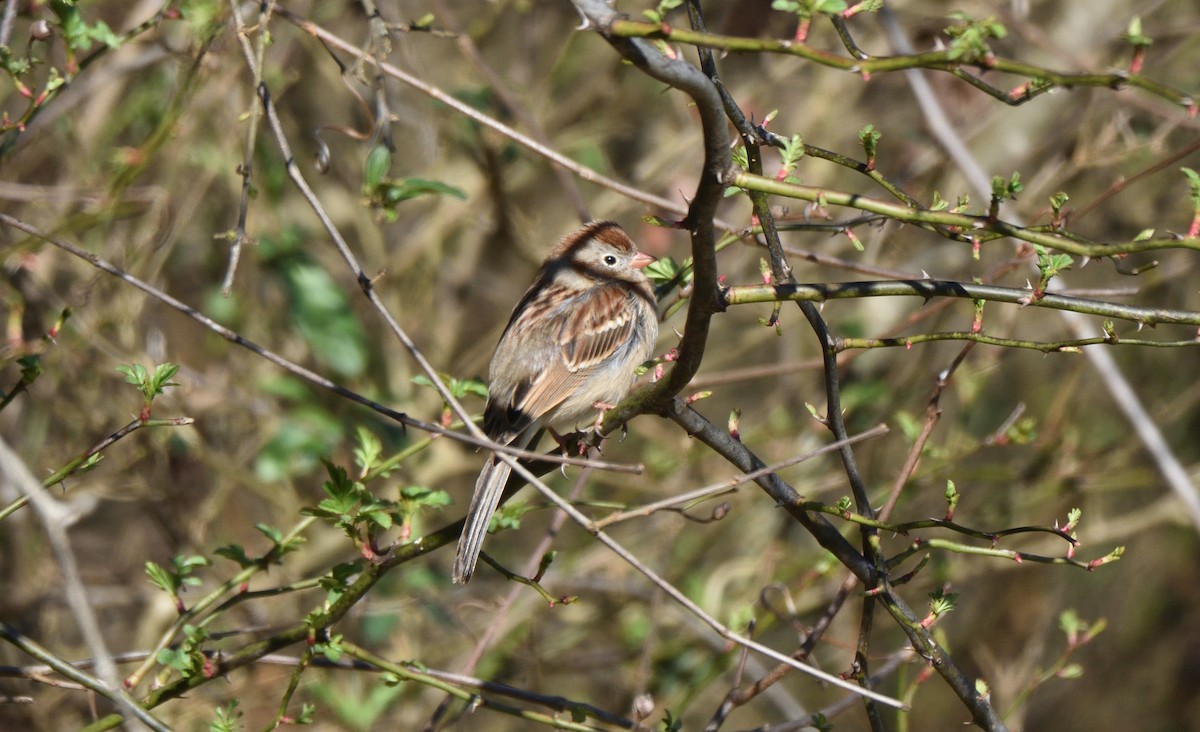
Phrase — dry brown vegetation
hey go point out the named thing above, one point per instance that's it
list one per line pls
(138, 160)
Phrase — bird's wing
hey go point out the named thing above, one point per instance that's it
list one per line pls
(581, 337)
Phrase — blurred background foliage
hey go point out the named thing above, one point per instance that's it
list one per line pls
(137, 160)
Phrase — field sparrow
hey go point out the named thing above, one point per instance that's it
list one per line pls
(572, 345)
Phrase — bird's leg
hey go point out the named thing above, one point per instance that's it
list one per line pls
(602, 409)
(562, 446)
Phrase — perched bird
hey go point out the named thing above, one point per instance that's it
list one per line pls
(573, 344)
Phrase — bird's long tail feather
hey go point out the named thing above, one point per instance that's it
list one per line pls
(488, 489)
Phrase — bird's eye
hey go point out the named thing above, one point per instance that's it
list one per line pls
(610, 259)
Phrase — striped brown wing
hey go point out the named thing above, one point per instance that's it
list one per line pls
(585, 335)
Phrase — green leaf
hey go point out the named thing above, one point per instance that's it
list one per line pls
(1057, 201)
(969, 39)
(100, 31)
(422, 496)
(1070, 622)
(366, 455)
(272, 533)
(383, 519)
(458, 388)
(226, 718)
(508, 516)
(664, 6)
(150, 386)
(1193, 186)
(379, 161)
(390, 192)
(235, 553)
(1134, 35)
(666, 269)
(793, 150)
(134, 374)
(161, 578)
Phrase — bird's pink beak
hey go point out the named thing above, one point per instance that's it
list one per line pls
(641, 259)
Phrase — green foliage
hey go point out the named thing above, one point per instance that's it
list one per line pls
(1134, 35)
(869, 137)
(179, 576)
(940, 603)
(150, 385)
(864, 6)
(330, 648)
(79, 34)
(457, 387)
(1006, 189)
(351, 506)
(509, 516)
(227, 718)
(665, 270)
(368, 450)
(659, 13)
(805, 9)
(188, 657)
(952, 497)
(14, 65)
(417, 497)
(793, 150)
(31, 368)
(337, 580)
(670, 722)
(1022, 432)
(385, 194)
(1050, 265)
(1193, 179)
(1077, 630)
(200, 15)
(1057, 202)
(969, 38)
(280, 546)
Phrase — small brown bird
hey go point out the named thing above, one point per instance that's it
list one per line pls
(573, 344)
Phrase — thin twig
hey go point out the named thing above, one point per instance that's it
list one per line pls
(299, 371)
(582, 171)
(6, 21)
(239, 236)
(514, 106)
(52, 515)
(1111, 375)
(930, 288)
(731, 484)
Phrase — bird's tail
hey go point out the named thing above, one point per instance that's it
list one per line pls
(488, 489)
